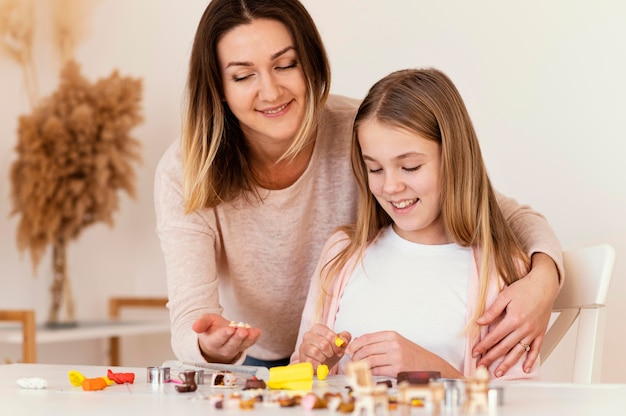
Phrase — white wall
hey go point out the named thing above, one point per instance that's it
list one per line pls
(543, 82)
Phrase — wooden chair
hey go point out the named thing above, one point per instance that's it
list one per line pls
(115, 306)
(583, 296)
(367, 394)
(27, 318)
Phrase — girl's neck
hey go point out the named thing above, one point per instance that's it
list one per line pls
(434, 235)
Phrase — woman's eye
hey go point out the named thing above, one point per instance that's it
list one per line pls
(241, 78)
(290, 66)
(375, 170)
(413, 169)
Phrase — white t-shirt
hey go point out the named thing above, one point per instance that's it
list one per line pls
(417, 290)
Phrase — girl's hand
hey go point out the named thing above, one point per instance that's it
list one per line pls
(389, 353)
(319, 346)
(220, 342)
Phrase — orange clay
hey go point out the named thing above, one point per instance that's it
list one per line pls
(90, 384)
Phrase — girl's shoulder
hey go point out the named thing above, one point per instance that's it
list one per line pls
(336, 242)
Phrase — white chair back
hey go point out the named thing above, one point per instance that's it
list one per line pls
(583, 295)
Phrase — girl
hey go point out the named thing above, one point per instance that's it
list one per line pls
(430, 249)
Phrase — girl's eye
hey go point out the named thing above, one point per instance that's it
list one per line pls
(412, 169)
(375, 170)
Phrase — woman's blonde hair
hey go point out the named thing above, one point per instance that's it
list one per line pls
(426, 102)
(215, 152)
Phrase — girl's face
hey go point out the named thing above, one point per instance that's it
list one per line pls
(404, 174)
(263, 82)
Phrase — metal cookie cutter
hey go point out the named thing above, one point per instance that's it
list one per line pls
(158, 375)
(199, 377)
(495, 397)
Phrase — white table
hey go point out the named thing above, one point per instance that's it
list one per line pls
(12, 334)
(142, 398)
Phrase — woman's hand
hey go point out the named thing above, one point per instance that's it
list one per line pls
(220, 342)
(524, 308)
(318, 346)
(389, 353)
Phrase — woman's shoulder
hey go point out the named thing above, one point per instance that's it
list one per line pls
(339, 111)
(342, 104)
(335, 127)
(170, 162)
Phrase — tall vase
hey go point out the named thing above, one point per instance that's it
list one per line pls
(60, 290)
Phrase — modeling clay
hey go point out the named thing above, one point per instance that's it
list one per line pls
(32, 383)
(254, 383)
(189, 382)
(99, 383)
(224, 378)
(340, 342)
(121, 378)
(90, 384)
(310, 401)
(76, 378)
(322, 371)
(247, 404)
(239, 325)
(291, 377)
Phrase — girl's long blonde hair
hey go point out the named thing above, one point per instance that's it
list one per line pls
(215, 152)
(426, 102)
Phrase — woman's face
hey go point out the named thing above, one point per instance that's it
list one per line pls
(263, 82)
(404, 174)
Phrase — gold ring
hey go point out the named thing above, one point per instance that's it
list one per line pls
(526, 347)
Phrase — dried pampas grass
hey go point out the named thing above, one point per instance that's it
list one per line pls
(70, 23)
(17, 27)
(70, 20)
(75, 153)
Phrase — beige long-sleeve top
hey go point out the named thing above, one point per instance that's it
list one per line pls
(253, 262)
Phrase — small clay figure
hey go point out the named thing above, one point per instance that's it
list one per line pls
(476, 392)
(188, 378)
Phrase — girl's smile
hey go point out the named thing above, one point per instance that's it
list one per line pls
(404, 177)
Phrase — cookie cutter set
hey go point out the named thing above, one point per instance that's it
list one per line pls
(161, 375)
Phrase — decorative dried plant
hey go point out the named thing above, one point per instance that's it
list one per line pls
(74, 154)
(17, 25)
(70, 24)
(74, 150)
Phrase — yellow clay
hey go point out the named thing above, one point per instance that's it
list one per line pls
(340, 342)
(76, 378)
(291, 377)
(322, 371)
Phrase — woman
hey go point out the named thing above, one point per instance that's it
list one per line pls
(430, 247)
(262, 177)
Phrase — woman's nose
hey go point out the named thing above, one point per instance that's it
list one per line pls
(269, 89)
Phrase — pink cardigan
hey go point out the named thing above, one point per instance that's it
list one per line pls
(331, 305)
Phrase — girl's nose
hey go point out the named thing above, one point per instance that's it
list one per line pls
(392, 183)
